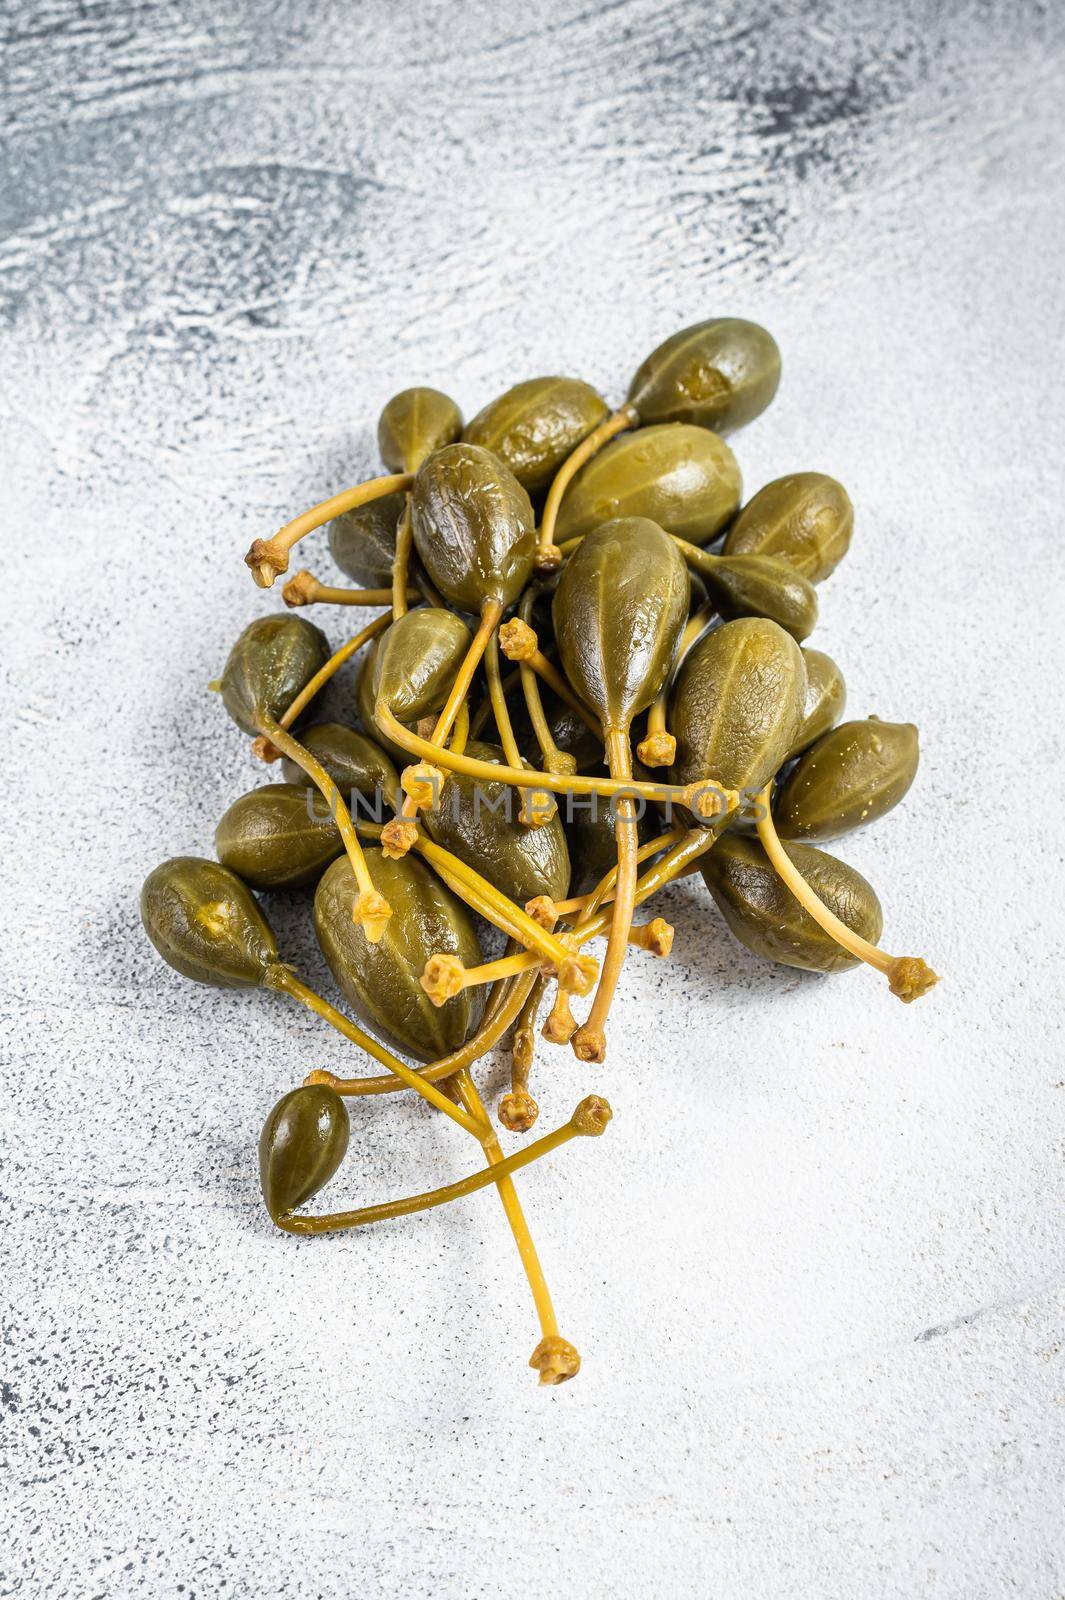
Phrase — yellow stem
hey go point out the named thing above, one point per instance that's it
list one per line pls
(401, 562)
(617, 422)
(497, 1019)
(687, 795)
(333, 665)
(287, 982)
(451, 1191)
(909, 977)
(267, 558)
(508, 1194)
(589, 1041)
(371, 910)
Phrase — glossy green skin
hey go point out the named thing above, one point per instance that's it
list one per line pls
(805, 519)
(761, 586)
(474, 528)
(618, 613)
(355, 763)
(850, 777)
(206, 924)
(380, 981)
(269, 665)
(413, 424)
(523, 862)
(684, 478)
(416, 661)
(766, 917)
(593, 845)
(536, 425)
(826, 700)
(737, 705)
(303, 1142)
(365, 705)
(363, 542)
(269, 838)
(717, 374)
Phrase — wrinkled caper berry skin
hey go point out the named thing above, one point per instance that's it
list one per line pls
(826, 700)
(766, 917)
(478, 821)
(592, 838)
(536, 425)
(268, 666)
(618, 613)
(761, 586)
(737, 705)
(273, 839)
(805, 519)
(363, 542)
(474, 528)
(303, 1142)
(355, 763)
(413, 424)
(849, 777)
(717, 374)
(684, 478)
(380, 981)
(416, 661)
(206, 924)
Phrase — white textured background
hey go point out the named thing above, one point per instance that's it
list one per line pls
(815, 1266)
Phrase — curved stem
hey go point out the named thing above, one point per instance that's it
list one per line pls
(371, 910)
(552, 758)
(460, 733)
(691, 795)
(547, 557)
(908, 977)
(401, 561)
(483, 714)
(451, 1191)
(495, 1024)
(332, 666)
(589, 1041)
(268, 558)
(536, 806)
(508, 1194)
(287, 982)
(305, 590)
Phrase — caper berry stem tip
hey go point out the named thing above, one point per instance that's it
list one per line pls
(910, 977)
(589, 1044)
(592, 1115)
(555, 1359)
(518, 1111)
(398, 837)
(443, 977)
(657, 750)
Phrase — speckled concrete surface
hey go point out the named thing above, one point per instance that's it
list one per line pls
(816, 1265)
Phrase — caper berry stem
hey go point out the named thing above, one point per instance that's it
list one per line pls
(658, 747)
(909, 977)
(552, 759)
(536, 806)
(705, 799)
(517, 1109)
(519, 643)
(283, 979)
(401, 561)
(589, 1118)
(519, 1227)
(332, 666)
(487, 900)
(371, 910)
(548, 555)
(495, 1024)
(268, 558)
(589, 1041)
(305, 590)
